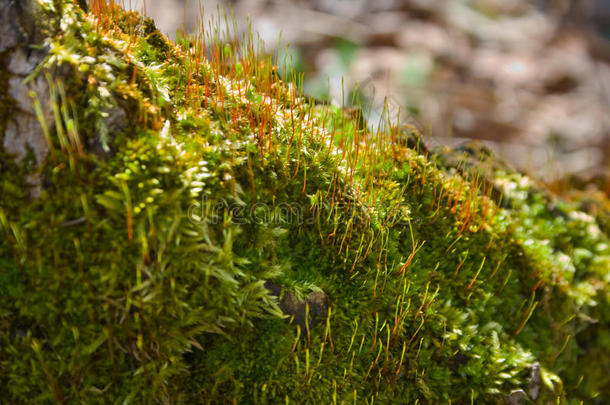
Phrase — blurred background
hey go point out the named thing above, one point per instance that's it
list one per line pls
(529, 79)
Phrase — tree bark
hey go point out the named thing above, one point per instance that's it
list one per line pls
(22, 33)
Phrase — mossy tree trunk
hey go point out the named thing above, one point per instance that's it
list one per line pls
(26, 105)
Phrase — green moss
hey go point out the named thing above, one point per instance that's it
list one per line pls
(140, 275)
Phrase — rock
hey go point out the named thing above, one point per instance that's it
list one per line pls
(23, 132)
(10, 35)
(535, 381)
(294, 308)
(113, 120)
(516, 397)
(318, 304)
(23, 28)
(412, 138)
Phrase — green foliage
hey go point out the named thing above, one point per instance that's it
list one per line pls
(140, 276)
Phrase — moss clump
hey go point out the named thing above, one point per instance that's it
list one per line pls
(141, 274)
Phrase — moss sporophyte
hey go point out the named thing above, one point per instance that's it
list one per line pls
(182, 225)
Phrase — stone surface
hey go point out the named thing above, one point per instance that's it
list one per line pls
(10, 34)
(535, 381)
(516, 397)
(297, 309)
(20, 30)
(23, 27)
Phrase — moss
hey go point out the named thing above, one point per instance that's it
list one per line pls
(140, 275)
